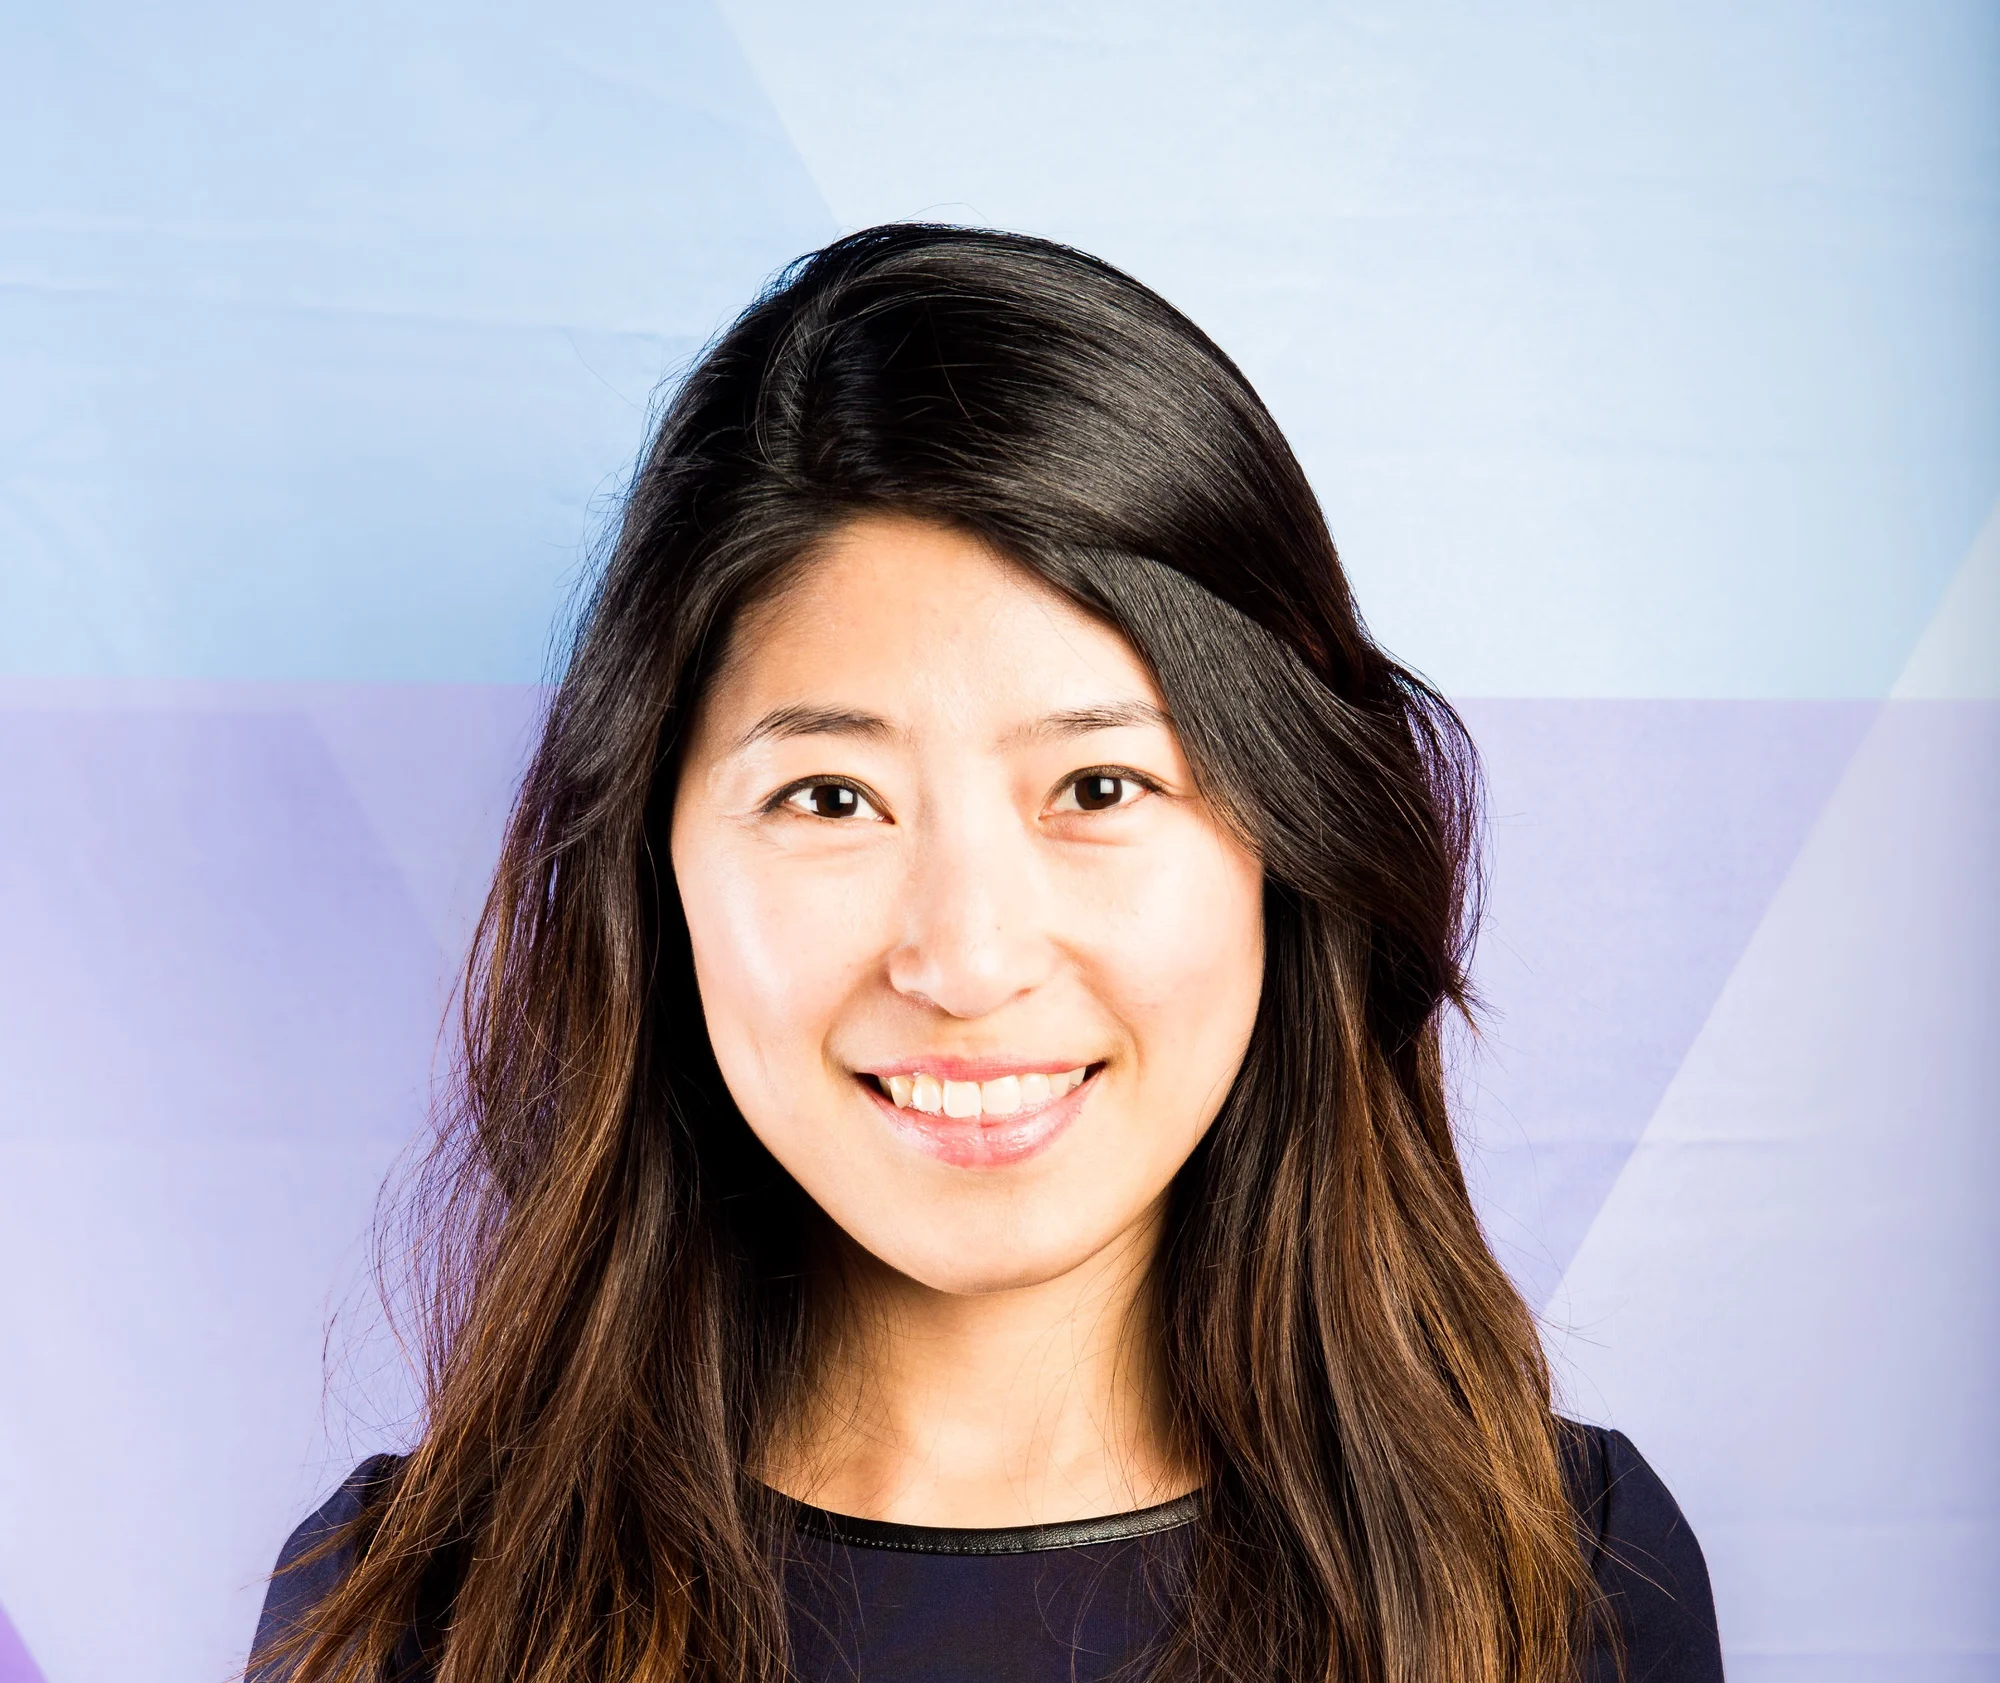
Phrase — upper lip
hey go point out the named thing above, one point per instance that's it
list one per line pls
(947, 1068)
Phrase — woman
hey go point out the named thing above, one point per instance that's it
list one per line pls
(953, 1177)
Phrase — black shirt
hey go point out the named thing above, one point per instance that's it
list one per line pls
(871, 1602)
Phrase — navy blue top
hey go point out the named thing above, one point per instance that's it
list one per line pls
(871, 1602)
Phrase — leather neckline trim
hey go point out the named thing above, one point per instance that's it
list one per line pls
(1019, 1539)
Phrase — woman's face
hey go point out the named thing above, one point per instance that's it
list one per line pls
(978, 965)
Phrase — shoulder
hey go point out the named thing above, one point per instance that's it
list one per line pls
(314, 1559)
(1645, 1559)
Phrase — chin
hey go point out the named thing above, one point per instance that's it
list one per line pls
(985, 1276)
(956, 1258)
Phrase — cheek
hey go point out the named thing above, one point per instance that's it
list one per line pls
(1179, 952)
(776, 953)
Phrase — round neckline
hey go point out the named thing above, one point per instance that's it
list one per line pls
(823, 1523)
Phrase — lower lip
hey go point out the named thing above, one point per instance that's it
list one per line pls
(978, 1142)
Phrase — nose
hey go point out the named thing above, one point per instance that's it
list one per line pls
(974, 924)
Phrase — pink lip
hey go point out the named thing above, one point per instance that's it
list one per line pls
(984, 1142)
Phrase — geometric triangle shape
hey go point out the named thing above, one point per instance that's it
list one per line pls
(288, 397)
(207, 941)
(1789, 1296)
(1958, 656)
(16, 1664)
(1632, 849)
(218, 1024)
(433, 767)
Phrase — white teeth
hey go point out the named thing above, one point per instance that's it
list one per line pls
(1006, 1096)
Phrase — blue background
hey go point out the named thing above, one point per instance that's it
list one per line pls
(1646, 358)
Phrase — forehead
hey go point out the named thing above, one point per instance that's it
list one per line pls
(924, 625)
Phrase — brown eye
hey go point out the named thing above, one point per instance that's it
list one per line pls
(830, 800)
(1099, 791)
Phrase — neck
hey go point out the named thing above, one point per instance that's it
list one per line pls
(1026, 1406)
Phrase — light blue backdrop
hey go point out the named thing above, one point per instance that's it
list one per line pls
(1646, 357)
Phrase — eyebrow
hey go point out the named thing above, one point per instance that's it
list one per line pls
(799, 719)
(1080, 721)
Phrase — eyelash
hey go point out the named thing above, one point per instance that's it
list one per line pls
(783, 797)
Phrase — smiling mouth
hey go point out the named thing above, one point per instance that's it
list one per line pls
(970, 1101)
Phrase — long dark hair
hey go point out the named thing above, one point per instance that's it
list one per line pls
(615, 1309)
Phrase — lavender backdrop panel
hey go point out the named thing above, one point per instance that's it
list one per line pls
(265, 890)
(1633, 847)
(233, 916)
(432, 768)
(1789, 1299)
(204, 935)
